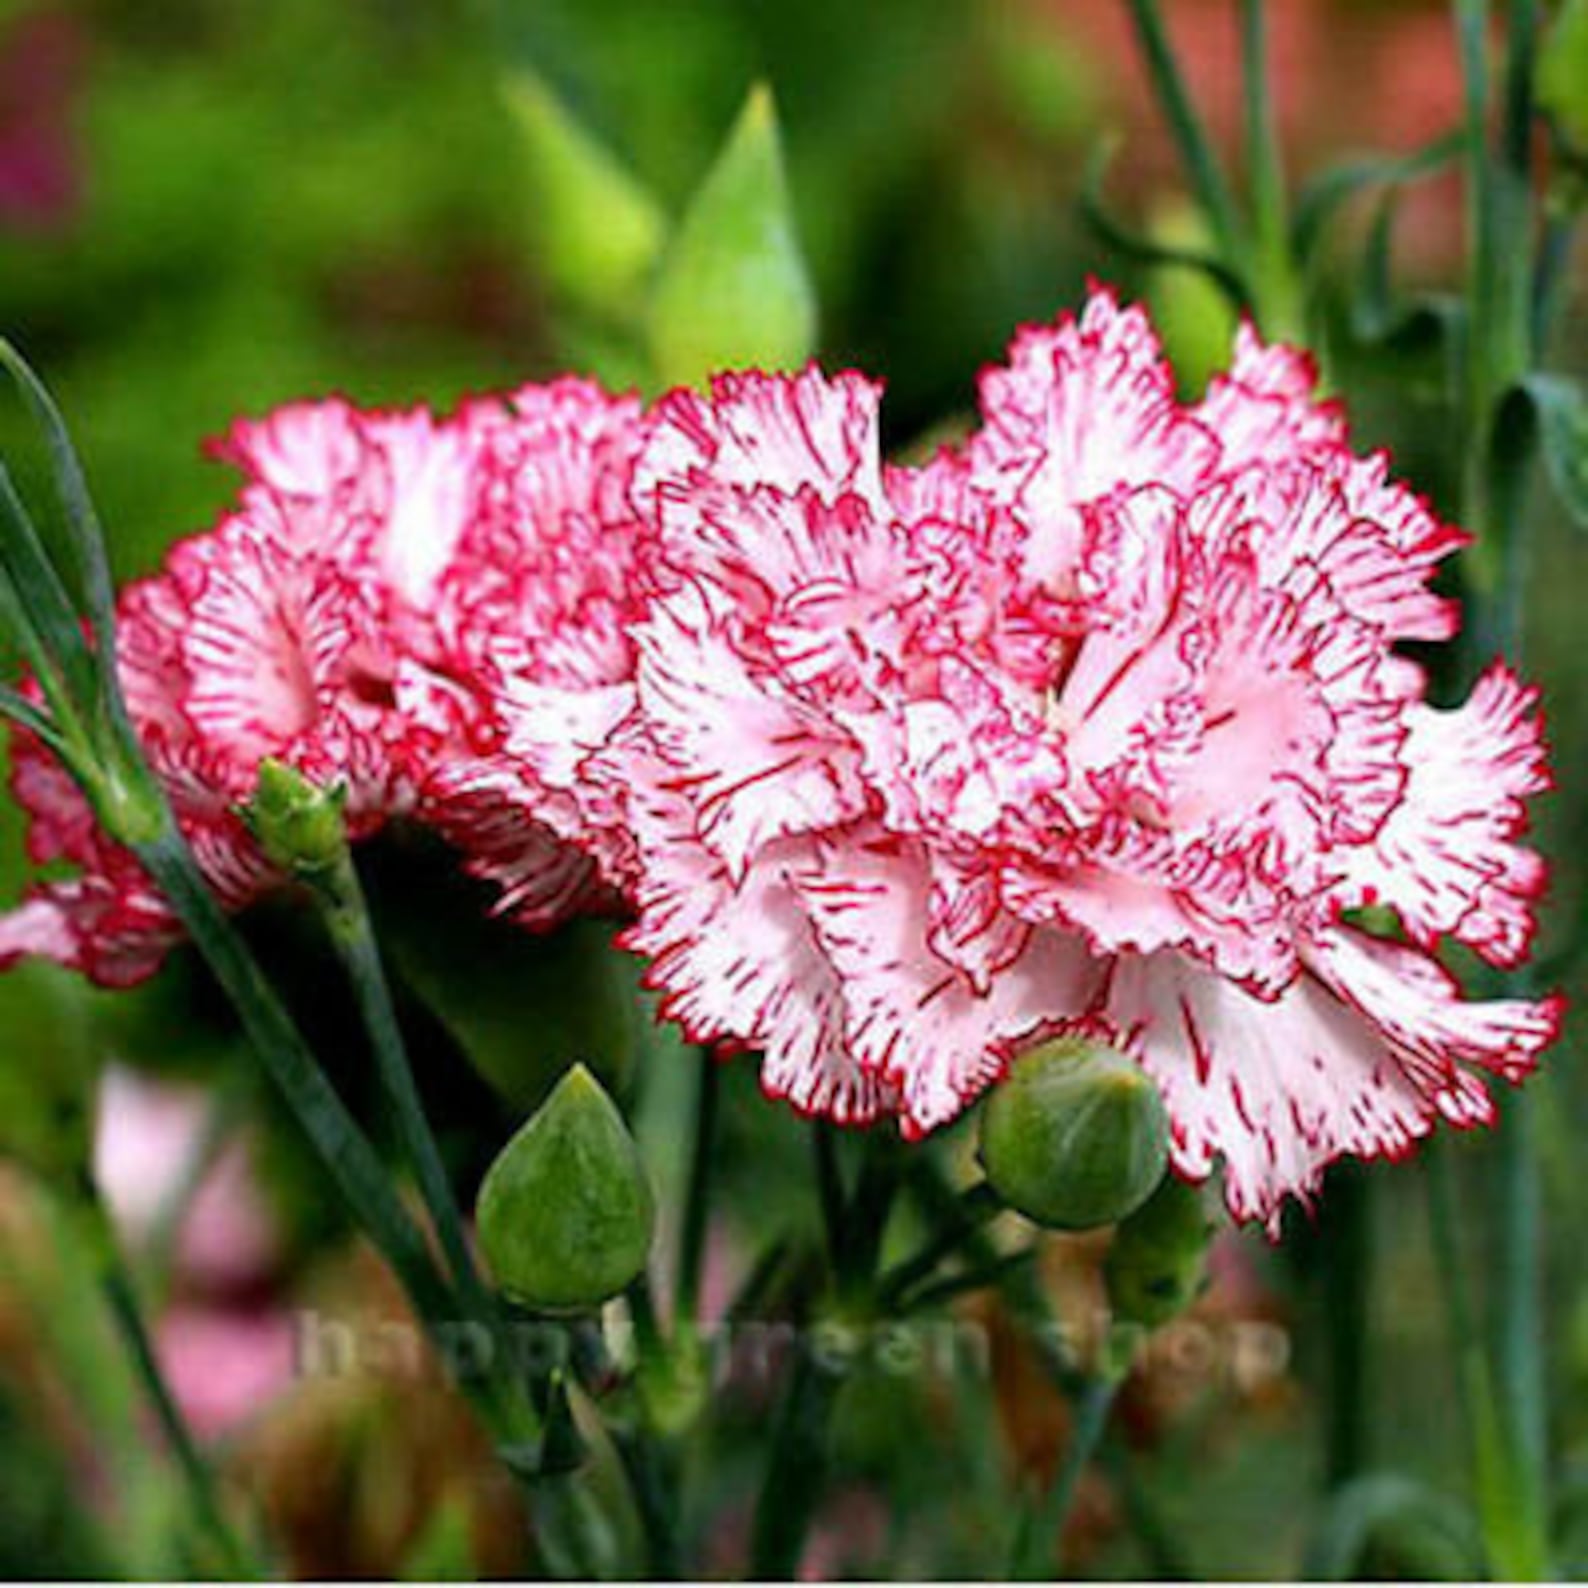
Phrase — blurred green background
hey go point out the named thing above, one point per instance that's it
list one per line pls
(207, 208)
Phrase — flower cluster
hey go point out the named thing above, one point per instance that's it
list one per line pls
(1096, 723)
(384, 579)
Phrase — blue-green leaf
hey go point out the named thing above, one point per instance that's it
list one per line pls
(1428, 1535)
(1560, 414)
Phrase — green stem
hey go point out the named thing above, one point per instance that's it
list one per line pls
(697, 1200)
(1506, 1410)
(829, 1188)
(975, 1208)
(1202, 165)
(1510, 1509)
(501, 1397)
(351, 1161)
(345, 1151)
(797, 1469)
(1040, 1528)
(1348, 1275)
(1276, 284)
(655, 1501)
(122, 1298)
(346, 915)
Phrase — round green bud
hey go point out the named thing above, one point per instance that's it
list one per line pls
(1075, 1136)
(565, 1212)
(299, 825)
(1157, 1264)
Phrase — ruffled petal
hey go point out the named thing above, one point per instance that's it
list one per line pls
(1084, 408)
(1356, 1058)
(1445, 857)
(912, 1018)
(737, 959)
(776, 432)
(756, 764)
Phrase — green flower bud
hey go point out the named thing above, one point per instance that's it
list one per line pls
(565, 1212)
(298, 824)
(1157, 1264)
(1075, 1137)
(1563, 77)
(732, 289)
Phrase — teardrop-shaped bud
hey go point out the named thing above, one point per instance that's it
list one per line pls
(565, 1212)
(1158, 1261)
(732, 289)
(1075, 1136)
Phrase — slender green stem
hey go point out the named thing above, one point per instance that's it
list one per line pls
(655, 1501)
(1506, 1410)
(797, 1470)
(697, 1200)
(649, 1341)
(1519, 1323)
(1348, 1268)
(976, 1207)
(1212, 190)
(343, 1148)
(346, 914)
(1276, 285)
(351, 1161)
(1509, 1507)
(1038, 1531)
(235, 1558)
(830, 1188)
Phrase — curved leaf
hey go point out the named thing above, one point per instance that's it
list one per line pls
(1430, 1535)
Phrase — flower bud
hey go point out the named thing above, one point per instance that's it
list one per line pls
(1563, 78)
(565, 1212)
(1075, 1136)
(298, 824)
(1156, 1266)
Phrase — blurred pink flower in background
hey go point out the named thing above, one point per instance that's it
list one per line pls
(43, 56)
(149, 1133)
(226, 1365)
(225, 1341)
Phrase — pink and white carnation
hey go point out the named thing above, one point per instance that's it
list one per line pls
(1096, 724)
(346, 619)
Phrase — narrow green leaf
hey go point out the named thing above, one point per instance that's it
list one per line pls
(597, 230)
(85, 538)
(15, 705)
(733, 289)
(1327, 193)
(1138, 246)
(44, 611)
(1560, 414)
(1382, 316)
(1428, 1534)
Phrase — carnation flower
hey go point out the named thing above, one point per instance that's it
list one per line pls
(384, 579)
(528, 662)
(1097, 724)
